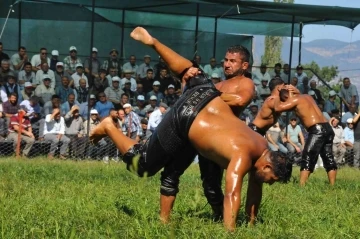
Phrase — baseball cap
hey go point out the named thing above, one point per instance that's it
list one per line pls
(215, 75)
(94, 111)
(46, 77)
(156, 83)
(128, 71)
(55, 53)
(116, 79)
(311, 92)
(79, 65)
(127, 81)
(349, 121)
(141, 97)
(127, 105)
(162, 104)
(23, 107)
(92, 97)
(147, 56)
(94, 49)
(332, 93)
(28, 84)
(153, 97)
(72, 48)
(59, 64)
(299, 67)
(171, 86)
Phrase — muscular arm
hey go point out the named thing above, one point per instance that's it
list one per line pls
(241, 98)
(290, 104)
(253, 198)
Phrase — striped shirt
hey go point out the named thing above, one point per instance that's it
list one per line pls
(133, 119)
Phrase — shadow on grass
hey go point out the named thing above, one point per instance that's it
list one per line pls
(124, 208)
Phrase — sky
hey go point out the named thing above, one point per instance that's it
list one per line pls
(315, 32)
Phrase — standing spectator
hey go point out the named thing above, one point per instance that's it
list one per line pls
(157, 116)
(261, 74)
(60, 73)
(132, 123)
(26, 131)
(10, 108)
(142, 69)
(131, 94)
(45, 71)
(112, 62)
(318, 97)
(79, 74)
(74, 130)
(276, 72)
(72, 61)
(95, 64)
(304, 87)
(3, 56)
(44, 91)
(338, 146)
(81, 92)
(131, 66)
(171, 98)
(38, 59)
(128, 77)
(10, 87)
(356, 140)
(349, 140)
(350, 114)
(19, 59)
(114, 93)
(300, 75)
(26, 75)
(103, 106)
(349, 94)
(148, 81)
(274, 138)
(85, 106)
(100, 83)
(294, 133)
(330, 103)
(5, 71)
(156, 92)
(54, 60)
(67, 106)
(64, 89)
(54, 130)
(28, 91)
(139, 109)
(211, 68)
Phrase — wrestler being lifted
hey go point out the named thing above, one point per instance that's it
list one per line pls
(320, 137)
(189, 127)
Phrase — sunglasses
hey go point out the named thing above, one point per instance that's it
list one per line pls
(101, 96)
(293, 120)
(72, 51)
(43, 53)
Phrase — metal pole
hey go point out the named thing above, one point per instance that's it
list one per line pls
(215, 33)
(300, 41)
(90, 62)
(122, 53)
(19, 24)
(196, 27)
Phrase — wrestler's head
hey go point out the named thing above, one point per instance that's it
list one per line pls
(276, 84)
(284, 95)
(236, 61)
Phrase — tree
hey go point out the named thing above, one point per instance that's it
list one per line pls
(326, 73)
(273, 45)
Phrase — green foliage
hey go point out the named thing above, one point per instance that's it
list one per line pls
(327, 73)
(65, 199)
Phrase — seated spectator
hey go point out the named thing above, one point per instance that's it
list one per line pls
(144, 67)
(49, 106)
(139, 109)
(33, 109)
(60, 73)
(145, 132)
(128, 78)
(10, 108)
(140, 90)
(349, 115)
(273, 135)
(171, 98)
(147, 81)
(85, 106)
(263, 91)
(156, 92)
(5, 71)
(124, 100)
(112, 63)
(165, 80)
(335, 113)
(38, 59)
(121, 121)
(19, 59)
(26, 76)
(215, 78)
(81, 92)
(54, 59)
(152, 103)
(79, 74)
(54, 132)
(326, 115)
(318, 97)
(64, 89)
(294, 82)
(338, 146)
(28, 91)
(159, 66)
(301, 75)
(74, 130)
(100, 83)
(157, 116)
(95, 63)
(112, 73)
(304, 85)
(103, 106)
(261, 74)
(211, 68)
(67, 106)
(349, 134)
(44, 91)
(10, 87)
(114, 93)
(349, 94)
(276, 72)
(71, 62)
(254, 108)
(131, 94)
(330, 103)
(132, 123)
(287, 73)
(294, 133)
(45, 71)
(26, 131)
(131, 66)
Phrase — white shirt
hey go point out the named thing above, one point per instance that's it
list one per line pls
(76, 77)
(133, 84)
(30, 109)
(257, 75)
(36, 60)
(53, 127)
(300, 78)
(155, 119)
(209, 70)
(39, 77)
(3, 96)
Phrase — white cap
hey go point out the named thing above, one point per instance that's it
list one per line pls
(59, 64)
(171, 86)
(215, 75)
(92, 97)
(79, 65)
(156, 83)
(332, 93)
(128, 71)
(147, 56)
(72, 48)
(140, 97)
(28, 84)
(127, 81)
(311, 92)
(153, 97)
(94, 49)
(55, 53)
(94, 111)
(46, 76)
(349, 121)
(115, 78)
(127, 105)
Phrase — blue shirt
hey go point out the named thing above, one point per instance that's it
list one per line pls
(63, 93)
(65, 107)
(346, 116)
(294, 133)
(159, 95)
(329, 106)
(104, 108)
(84, 110)
(349, 135)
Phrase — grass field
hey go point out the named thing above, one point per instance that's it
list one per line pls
(57, 199)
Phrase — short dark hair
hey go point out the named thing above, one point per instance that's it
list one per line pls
(335, 111)
(275, 82)
(42, 49)
(241, 50)
(144, 121)
(125, 95)
(149, 70)
(278, 64)
(282, 165)
(112, 109)
(0, 43)
(27, 64)
(13, 94)
(55, 97)
(21, 48)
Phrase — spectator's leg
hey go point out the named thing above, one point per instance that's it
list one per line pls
(342, 151)
(14, 138)
(272, 147)
(28, 144)
(282, 148)
(41, 128)
(356, 154)
(65, 144)
(3, 128)
(290, 148)
(53, 139)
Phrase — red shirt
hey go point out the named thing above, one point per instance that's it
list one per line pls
(14, 120)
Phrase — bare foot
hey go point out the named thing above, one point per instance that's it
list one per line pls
(99, 131)
(140, 34)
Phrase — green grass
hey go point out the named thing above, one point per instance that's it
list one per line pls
(66, 199)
